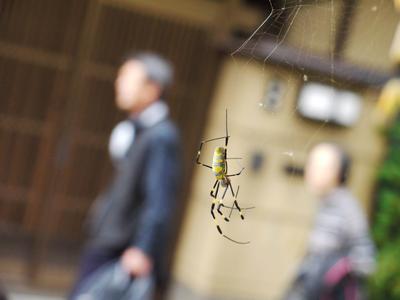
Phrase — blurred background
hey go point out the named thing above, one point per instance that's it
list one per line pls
(291, 73)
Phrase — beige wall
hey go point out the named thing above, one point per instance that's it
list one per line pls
(313, 27)
(278, 227)
(372, 34)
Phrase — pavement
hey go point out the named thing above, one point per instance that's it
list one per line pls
(24, 296)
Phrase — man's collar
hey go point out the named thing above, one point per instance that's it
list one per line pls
(153, 114)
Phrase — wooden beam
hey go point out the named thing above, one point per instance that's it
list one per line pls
(190, 11)
(287, 56)
(34, 56)
(22, 125)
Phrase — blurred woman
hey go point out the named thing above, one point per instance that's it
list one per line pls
(340, 252)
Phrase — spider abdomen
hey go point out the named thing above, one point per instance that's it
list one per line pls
(219, 163)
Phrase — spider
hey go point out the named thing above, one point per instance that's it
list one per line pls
(219, 168)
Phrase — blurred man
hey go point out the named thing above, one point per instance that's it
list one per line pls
(340, 251)
(131, 220)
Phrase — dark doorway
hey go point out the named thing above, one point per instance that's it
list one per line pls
(57, 65)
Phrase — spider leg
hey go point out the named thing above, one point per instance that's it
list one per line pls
(221, 204)
(219, 228)
(201, 146)
(230, 185)
(214, 191)
(214, 139)
(239, 209)
(226, 128)
(213, 216)
(198, 157)
(237, 174)
(223, 195)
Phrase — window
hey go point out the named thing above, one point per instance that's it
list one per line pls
(327, 104)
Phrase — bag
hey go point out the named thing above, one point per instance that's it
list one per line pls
(112, 282)
(309, 282)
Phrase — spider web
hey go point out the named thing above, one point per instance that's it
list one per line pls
(282, 20)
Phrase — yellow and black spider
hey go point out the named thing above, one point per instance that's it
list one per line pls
(219, 168)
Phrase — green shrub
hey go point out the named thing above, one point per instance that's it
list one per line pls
(385, 283)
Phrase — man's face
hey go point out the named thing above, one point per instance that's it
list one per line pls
(322, 169)
(131, 86)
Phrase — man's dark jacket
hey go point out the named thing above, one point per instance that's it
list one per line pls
(137, 207)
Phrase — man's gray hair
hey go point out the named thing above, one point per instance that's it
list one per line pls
(158, 69)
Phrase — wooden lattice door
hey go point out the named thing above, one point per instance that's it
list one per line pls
(57, 65)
